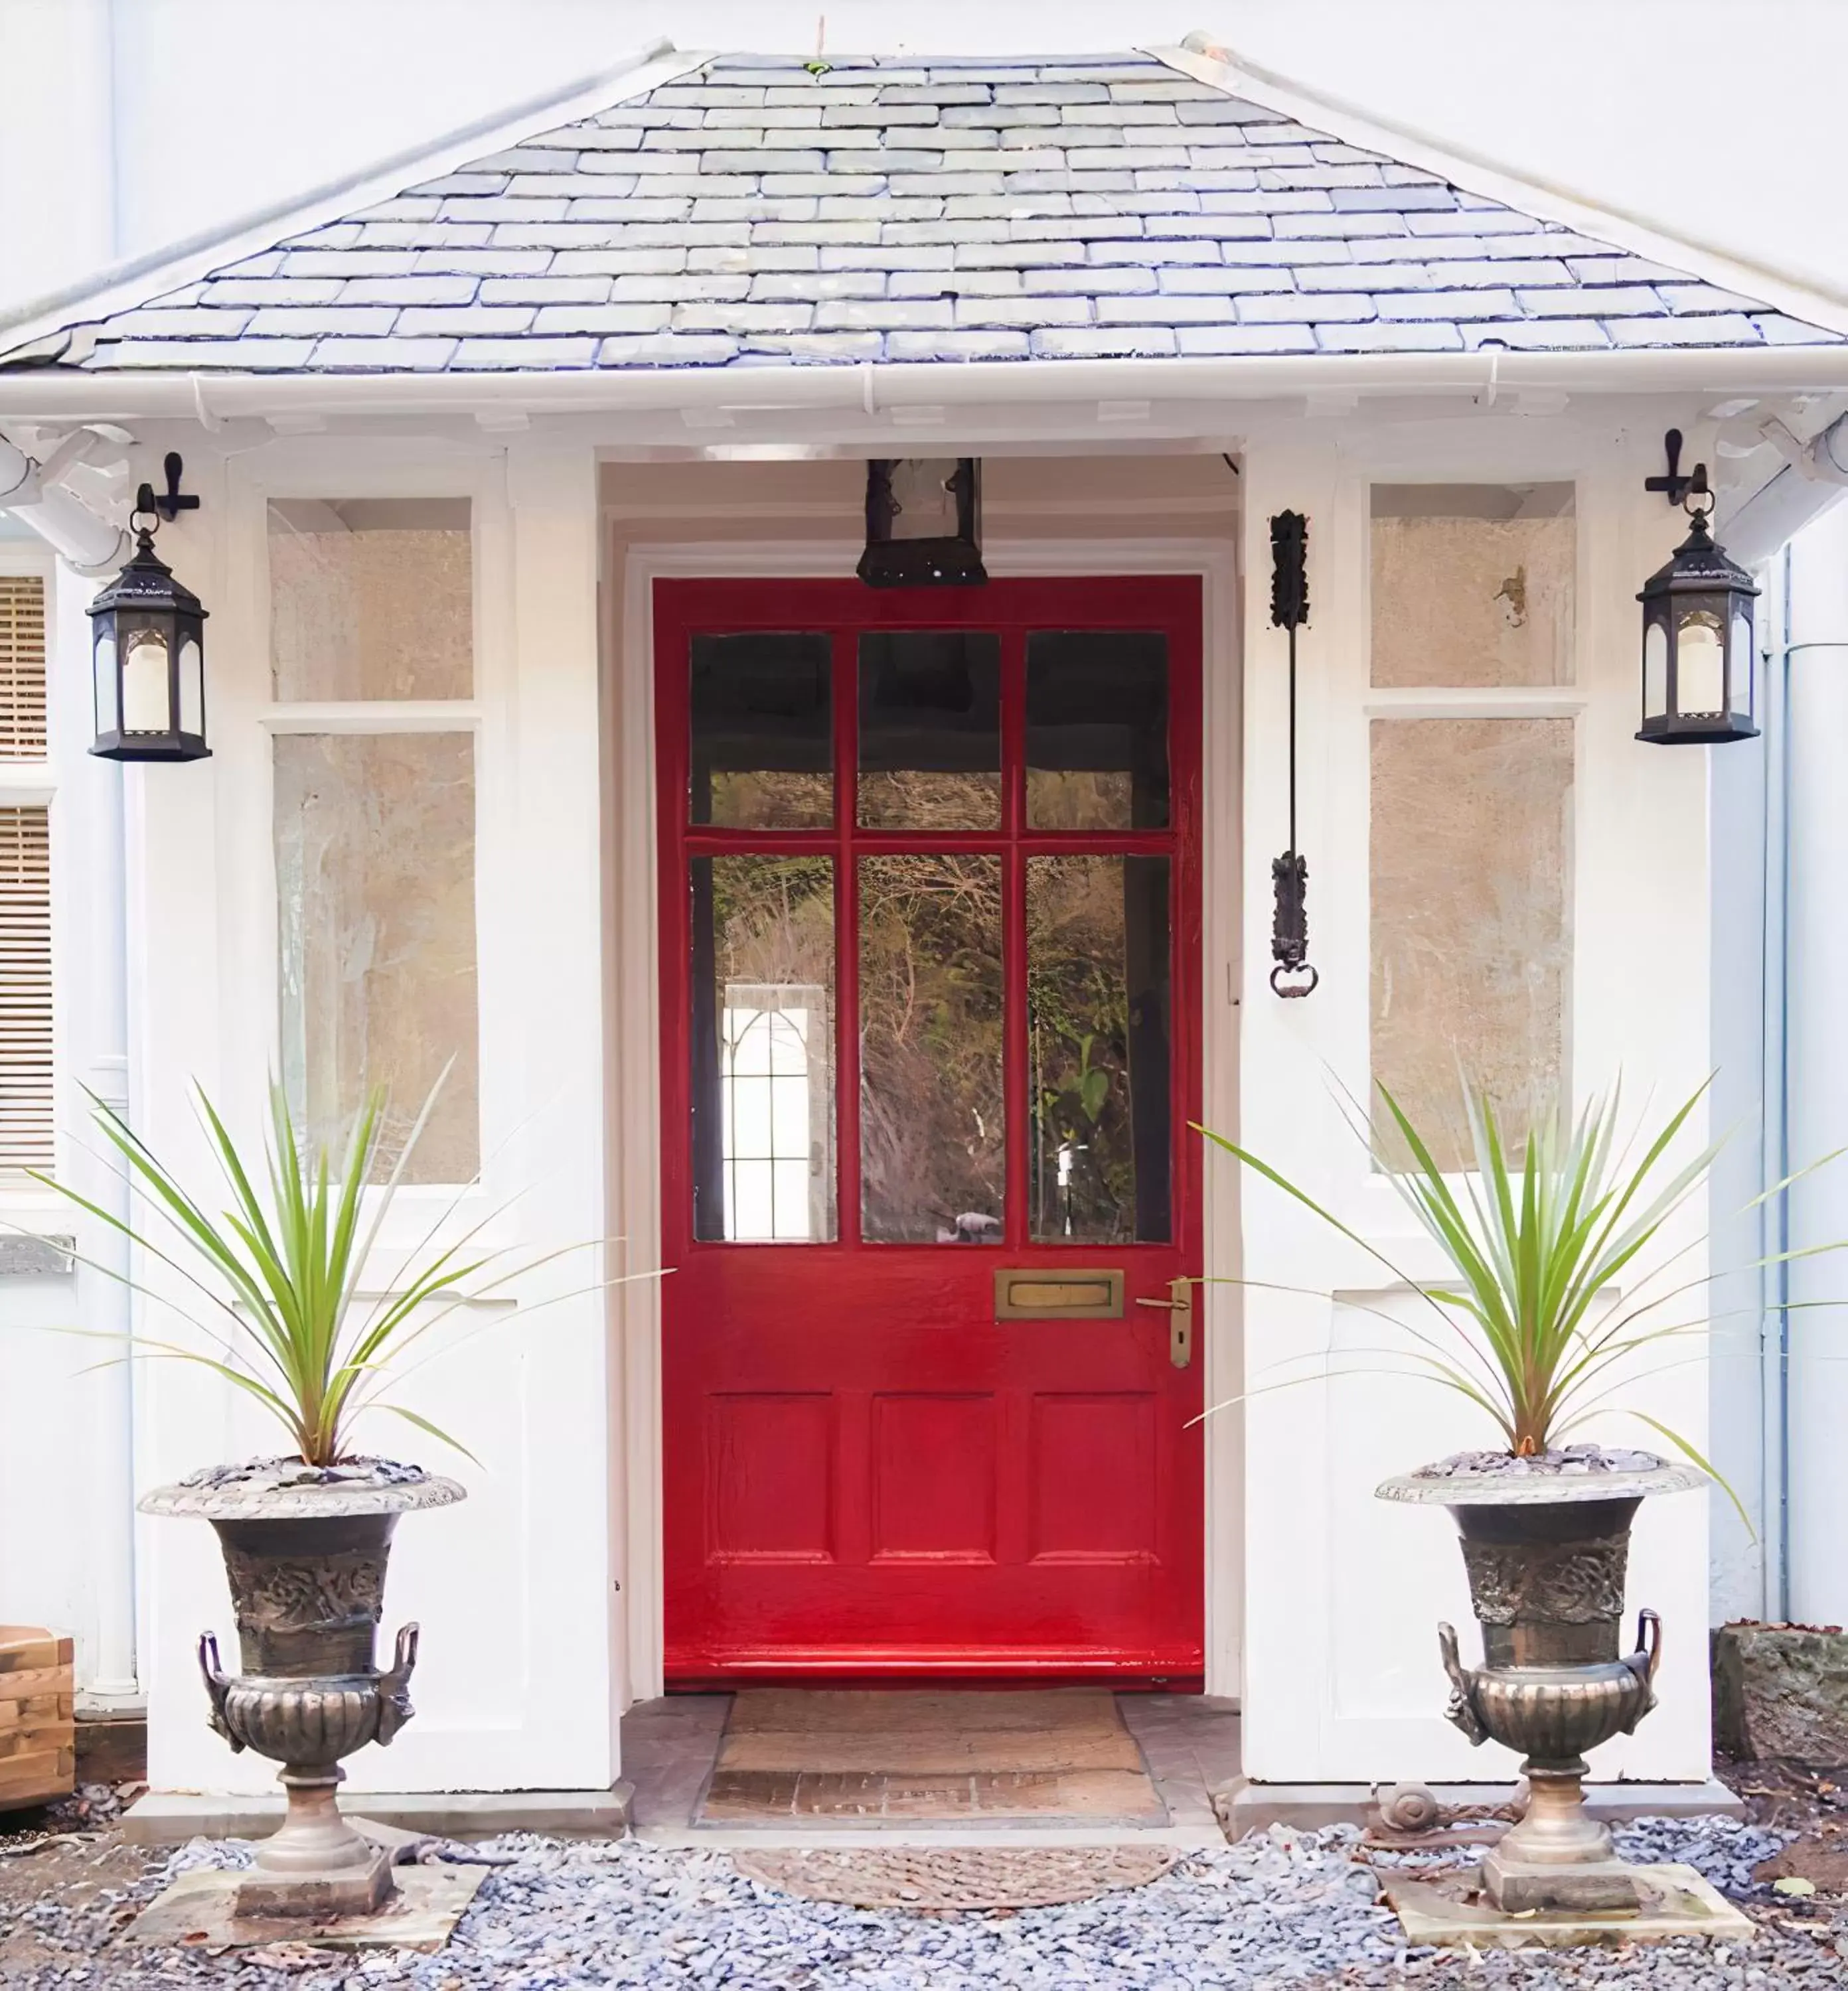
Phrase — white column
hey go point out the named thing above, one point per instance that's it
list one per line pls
(1817, 1066)
(87, 842)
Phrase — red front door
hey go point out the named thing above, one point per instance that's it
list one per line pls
(930, 947)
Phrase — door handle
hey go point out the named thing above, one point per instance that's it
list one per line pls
(1179, 1306)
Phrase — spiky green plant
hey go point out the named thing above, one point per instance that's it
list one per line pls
(1534, 1238)
(279, 1269)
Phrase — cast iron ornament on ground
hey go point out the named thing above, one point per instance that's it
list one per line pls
(305, 1550)
(1546, 1541)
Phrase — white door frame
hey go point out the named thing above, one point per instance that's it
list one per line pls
(633, 981)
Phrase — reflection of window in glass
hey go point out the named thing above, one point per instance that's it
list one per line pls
(1471, 855)
(763, 1049)
(375, 873)
(1098, 1034)
(1096, 730)
(1472, 583)
(371, 598)
(929, 731)
(773, 1186)
(763, 739)
(932, 1120)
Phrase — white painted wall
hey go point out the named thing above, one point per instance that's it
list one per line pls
(1816, 1073)
(64, 1419)
(125, 124)
(529, 1650)
(1343, 1593)
(516, 1687)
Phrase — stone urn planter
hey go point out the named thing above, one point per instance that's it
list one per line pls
(305, 1550)
(1545, 1542)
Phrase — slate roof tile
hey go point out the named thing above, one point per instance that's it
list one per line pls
(941, 211)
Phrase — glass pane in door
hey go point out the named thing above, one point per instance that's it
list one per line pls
(1098, 1049)
(929, 731)
(1097, 730)
(763, 745)
(763, 1049)
(932, 1119)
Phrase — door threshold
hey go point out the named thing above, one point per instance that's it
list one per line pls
(1088, 1768)
(803, 1837)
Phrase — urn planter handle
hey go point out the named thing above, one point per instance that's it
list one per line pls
(1649, 1642)
(217, 1686)
(1643, 1662)
(394, 1685)
(1462, 1710)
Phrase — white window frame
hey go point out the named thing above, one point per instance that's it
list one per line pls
(245, 720)
(1568, 701)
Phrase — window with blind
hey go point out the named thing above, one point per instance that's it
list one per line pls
(25, 994)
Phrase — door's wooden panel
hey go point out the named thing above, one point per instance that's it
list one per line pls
(1081, 1514)
(867, 1474)
(934, 1477)
(771, 1466)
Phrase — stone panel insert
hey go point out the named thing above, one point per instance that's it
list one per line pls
(1472, 583)
(1471, 934)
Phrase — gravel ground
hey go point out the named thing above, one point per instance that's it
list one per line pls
(1281, 1911)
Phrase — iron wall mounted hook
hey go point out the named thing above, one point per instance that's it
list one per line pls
(171, 501)
(1677, 483)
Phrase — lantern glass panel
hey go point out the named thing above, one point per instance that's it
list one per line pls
(924, 506)
(1700, 661)
(109, 715)
(146, 696)
(1741, 658)
(192, 687)
(1654, 670)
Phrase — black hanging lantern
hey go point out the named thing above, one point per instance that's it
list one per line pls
(924, 522)
(148, 656)
(1697, 643)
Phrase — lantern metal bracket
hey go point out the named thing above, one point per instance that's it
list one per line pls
(171, 501)
(1676, 483)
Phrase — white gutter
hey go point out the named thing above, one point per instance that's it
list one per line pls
(72, 395)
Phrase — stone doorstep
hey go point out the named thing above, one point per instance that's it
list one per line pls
(1244, 1806)
(171, 1818)
(803, 1835)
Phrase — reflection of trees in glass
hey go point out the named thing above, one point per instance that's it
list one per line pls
(1083, 1159)
(773, 920)
(917, 799)
(769, 799)
(932, 1134)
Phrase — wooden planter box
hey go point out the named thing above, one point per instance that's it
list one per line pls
(38, 1737)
